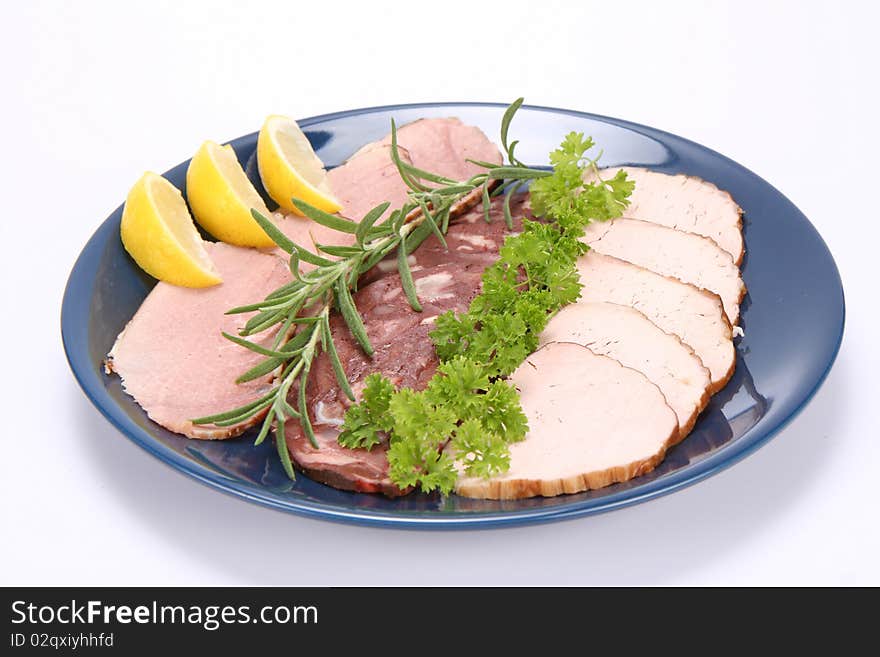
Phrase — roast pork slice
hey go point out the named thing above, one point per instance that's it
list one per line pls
(688, 257)
(693, 314)
(626, 335)
(443, 146)
(369, 177)
(592, 423)
(172, 357)
(686, 203)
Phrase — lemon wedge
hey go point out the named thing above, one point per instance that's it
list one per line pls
(221, 197)
(289, 167)
(159, 233)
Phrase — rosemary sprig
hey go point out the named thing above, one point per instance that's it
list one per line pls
(301, 308)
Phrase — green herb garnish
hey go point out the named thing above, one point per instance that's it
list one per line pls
(468, 412)
(300, 309)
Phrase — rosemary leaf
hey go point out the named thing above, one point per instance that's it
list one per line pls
(325, 218)
(265, 367)
(256, 348)
(264, 429)
(309, 257)
(284, 332)
(293, 265)
(304, 420)
(482, 163)
(427, 175)
(352, 317)
(339, 251)
(288, 409)
(368, 221)
(487, 203)
(283, 393)
(338, 370)
(444, 219)
(406, 279)
(281, 446)
(262, 321)
(510, 156)
(517, 173)
(507, 118)
(287, 288)
(456, 190)
(219, 417)
(282, 240)
(415, 238)
(382, 251)
(508, 217)
(410, 182)
(429, 219)
(232, 421)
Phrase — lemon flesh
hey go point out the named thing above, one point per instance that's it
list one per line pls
(221, 197)
(158, 232)
(289, 167)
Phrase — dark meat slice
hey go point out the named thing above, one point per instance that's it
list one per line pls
(403, 350)
(471, 243)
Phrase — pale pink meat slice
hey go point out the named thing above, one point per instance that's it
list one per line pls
(686, 256)
(626, 335)
(172, 357)
(694, 315)
(369, 177)
(443, 146)
(685, 203)
(592, 423)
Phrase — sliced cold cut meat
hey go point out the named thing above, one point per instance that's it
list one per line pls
(693, 314)
(685, 203)
(688, 257)
(369, 177)
(592, 423)
(626, 335)
(443, 146)
(172, 357)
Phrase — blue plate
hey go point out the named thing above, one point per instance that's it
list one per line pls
(793, 319)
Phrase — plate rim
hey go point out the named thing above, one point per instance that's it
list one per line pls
(670, 483)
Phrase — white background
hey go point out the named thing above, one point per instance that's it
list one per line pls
(94, 94)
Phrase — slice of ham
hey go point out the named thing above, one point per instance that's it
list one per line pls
(694, 315)
(685, 203)
(626, 335)
(369, 177)
(172, 357)
(592, 423)
(443, 146)
(688, 257)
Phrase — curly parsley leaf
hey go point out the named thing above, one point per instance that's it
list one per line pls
(366, 422)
